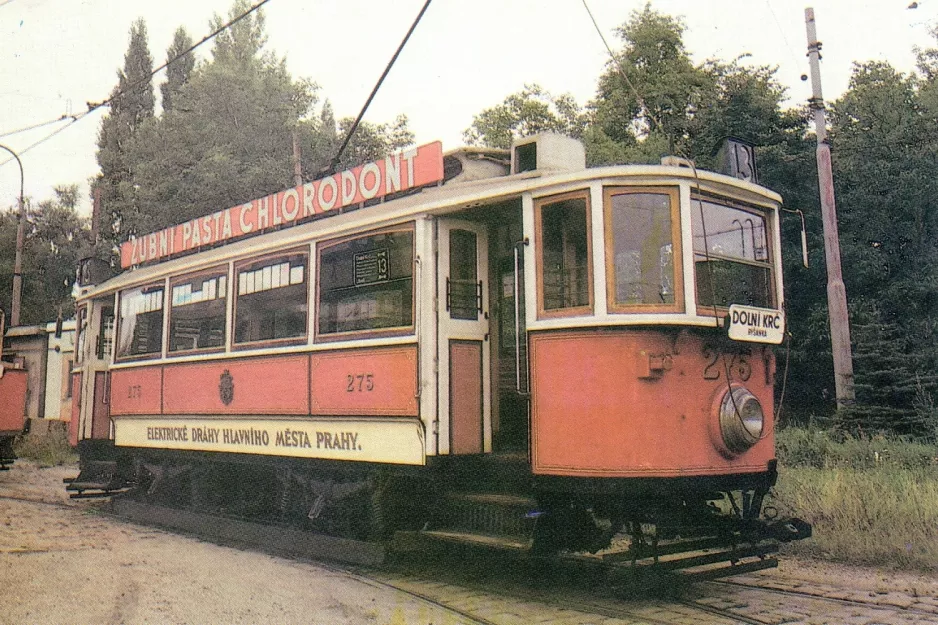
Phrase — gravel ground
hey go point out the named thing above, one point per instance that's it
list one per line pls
(67, 564)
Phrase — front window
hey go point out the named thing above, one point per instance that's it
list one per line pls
(643, 241)
(197, 312)
(367, 283)
(731, 255)
(141, 322)
(564, 268)
(272, 299)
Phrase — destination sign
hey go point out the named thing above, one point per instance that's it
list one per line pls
(409, 169)
(756, 325)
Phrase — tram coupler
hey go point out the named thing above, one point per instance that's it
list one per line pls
(789, 530)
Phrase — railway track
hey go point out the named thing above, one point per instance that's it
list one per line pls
(885, 602)
(497, 592)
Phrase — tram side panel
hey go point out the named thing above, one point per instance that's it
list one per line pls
(637, 403)
(354, 404)
(12, 411)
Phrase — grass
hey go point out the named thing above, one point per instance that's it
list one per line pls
(49, 449)
(871, 501)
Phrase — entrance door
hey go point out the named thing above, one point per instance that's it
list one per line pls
(464, 378)
(95, 355)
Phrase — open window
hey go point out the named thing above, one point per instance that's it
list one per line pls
(366, 284)
(564, 272)
(197, 311)
(732, 262)
(272, 299)
(643, 250)
(140, 323)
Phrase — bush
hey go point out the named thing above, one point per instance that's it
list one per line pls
(871, 500)
(48, 449)
(881, 517)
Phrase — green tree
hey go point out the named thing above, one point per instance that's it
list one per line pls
(179, 69)
(55, 236)
(661, 90)
(884, 137)
(131, 107)
(228, 136)
(527, 112)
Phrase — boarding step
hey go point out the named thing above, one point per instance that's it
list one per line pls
(488, 514)
(694, 560)
(99, 478)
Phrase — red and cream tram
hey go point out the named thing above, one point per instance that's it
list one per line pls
(591, 346)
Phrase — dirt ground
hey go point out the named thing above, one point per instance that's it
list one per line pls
(68, 564)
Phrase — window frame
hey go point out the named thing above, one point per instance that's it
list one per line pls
(539, 204)
(217, 270)
(673, 193)
(233, 279)
(332, 337)
(120, 322)
(765, 213)
(81, 316)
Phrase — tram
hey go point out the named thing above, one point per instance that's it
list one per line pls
(385, 348)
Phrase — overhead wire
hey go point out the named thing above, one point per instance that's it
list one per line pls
(60, 118)
(93, 106)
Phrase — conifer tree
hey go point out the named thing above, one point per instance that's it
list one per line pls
(179, 69)
(131, 106)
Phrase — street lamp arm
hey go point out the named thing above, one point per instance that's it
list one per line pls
(20, 235)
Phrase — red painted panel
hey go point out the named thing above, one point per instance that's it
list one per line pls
(341, 386)
(465, 396)
(637, 403)
(274, 385)
(136, 391)
(13, 400)
(100, 417)
(76, 409)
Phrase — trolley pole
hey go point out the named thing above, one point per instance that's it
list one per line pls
(836, 293)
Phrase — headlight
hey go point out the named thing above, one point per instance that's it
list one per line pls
(741, 419)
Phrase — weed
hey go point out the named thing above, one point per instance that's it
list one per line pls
(49, 449)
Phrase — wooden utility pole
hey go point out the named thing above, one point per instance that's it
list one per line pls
(836, 293)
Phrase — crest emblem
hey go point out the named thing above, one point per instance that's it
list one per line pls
(226, 388)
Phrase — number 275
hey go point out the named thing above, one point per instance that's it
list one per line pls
(360, 382)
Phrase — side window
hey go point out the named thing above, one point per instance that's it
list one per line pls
(272, 299)
(140, 325)
(366, 283)
(643, 249)
(197, 312)
(564, 272)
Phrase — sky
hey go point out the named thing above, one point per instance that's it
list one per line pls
(465, 56)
